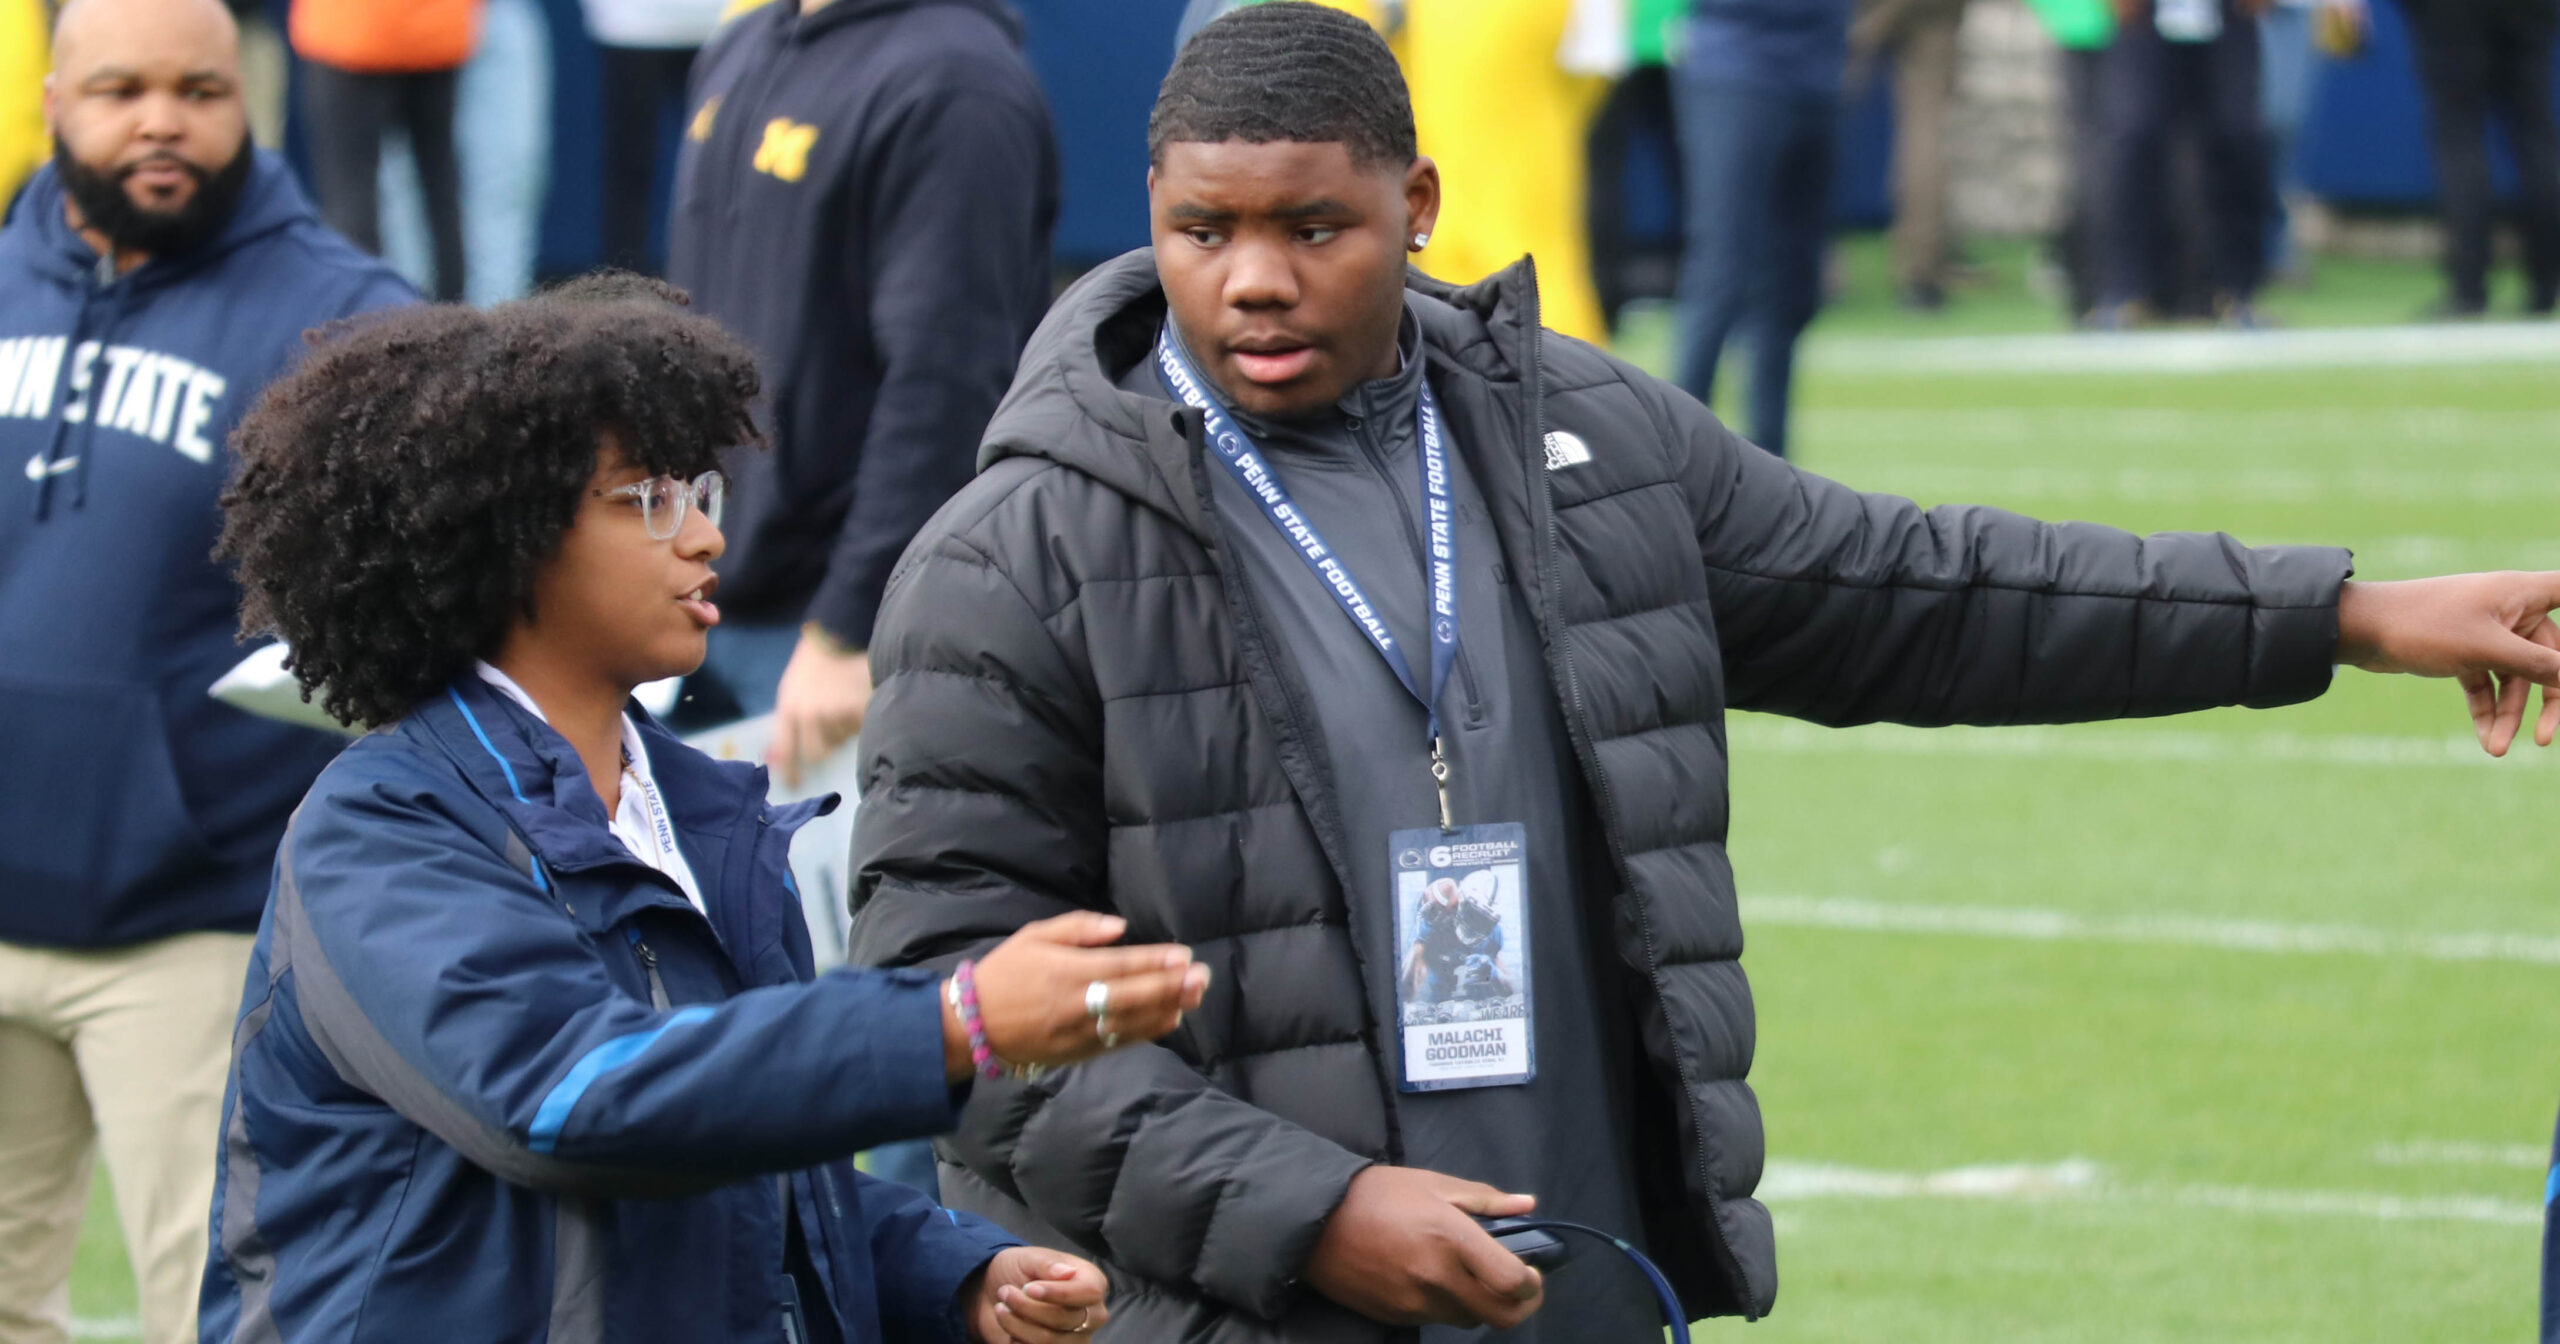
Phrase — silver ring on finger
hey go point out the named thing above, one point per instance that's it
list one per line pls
(1097, 1000)
(1102, 1029)
(1083, 1323)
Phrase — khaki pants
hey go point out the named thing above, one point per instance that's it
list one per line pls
(1920, 35)
(125, 1049)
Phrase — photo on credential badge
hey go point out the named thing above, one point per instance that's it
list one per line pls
(1462, 991)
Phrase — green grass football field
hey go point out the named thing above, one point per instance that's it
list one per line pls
(2199, 993)
(2241, 1026)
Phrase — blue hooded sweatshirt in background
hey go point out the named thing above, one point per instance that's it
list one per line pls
(132, 805)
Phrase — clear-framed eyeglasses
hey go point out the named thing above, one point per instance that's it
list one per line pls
(663, 500)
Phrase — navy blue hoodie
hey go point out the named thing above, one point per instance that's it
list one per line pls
(132, 805)
(865, 198)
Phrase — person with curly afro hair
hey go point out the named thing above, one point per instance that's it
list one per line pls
(399, 493)
(532, 988)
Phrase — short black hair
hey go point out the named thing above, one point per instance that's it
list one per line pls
(399, 490)
(1286, 70)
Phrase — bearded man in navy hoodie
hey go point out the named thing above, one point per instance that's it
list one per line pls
(152, 279)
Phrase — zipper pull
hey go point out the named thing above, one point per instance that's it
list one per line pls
(1440, 777)
(657, 987)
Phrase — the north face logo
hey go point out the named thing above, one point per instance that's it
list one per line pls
(1566, 449)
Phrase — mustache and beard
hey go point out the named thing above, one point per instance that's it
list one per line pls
(106, 205)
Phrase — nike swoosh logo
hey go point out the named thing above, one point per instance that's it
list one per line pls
(38, 469)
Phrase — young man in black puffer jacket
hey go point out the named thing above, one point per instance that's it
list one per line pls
(1117, 672)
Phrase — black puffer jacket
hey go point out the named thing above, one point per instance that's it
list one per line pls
(1078, 706)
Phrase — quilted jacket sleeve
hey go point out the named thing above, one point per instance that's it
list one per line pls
(981, 812)
(1843, 607)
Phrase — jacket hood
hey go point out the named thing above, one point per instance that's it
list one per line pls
(270, 203)
(1066, 405)
(842, 12)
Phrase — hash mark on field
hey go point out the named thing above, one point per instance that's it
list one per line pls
(2117, 745)
(2079, 1178)
(2055, 926)
(2422, 1153)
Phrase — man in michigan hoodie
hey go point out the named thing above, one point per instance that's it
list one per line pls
(864, 197)
(152, 279)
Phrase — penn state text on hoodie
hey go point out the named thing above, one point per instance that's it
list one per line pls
(132, 805)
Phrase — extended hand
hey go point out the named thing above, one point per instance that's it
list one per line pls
(2491, 632)
(1031, 992)
(825, 690)
(1402, 1249)
(1036, 1296)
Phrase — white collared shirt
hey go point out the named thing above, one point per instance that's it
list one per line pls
(641, 822)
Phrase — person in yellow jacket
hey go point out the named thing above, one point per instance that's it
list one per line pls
(1506, 122)
(24, 58)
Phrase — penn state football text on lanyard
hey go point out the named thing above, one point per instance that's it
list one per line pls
(1461, 892)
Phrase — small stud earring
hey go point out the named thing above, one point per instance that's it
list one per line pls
(1421, 241)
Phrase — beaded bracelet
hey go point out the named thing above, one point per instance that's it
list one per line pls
(964, 1001)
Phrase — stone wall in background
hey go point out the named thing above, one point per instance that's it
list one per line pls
(2006, 170)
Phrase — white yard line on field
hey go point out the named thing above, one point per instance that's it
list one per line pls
(2204, 485)
(1785, 1182)
(2194, 352)
(2031, 924)
(2400, 557)
(2356, 1204)
(108, 1327)
(2126, 745)
(2438, 1153)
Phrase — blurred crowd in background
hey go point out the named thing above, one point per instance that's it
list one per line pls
(1640, 149)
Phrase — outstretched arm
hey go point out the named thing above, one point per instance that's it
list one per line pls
(1845, 607)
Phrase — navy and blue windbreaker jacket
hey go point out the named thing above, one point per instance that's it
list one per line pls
(495, 1079)
(2551, 1247)
(132, 805)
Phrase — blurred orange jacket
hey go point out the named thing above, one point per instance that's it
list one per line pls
(386, 36)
